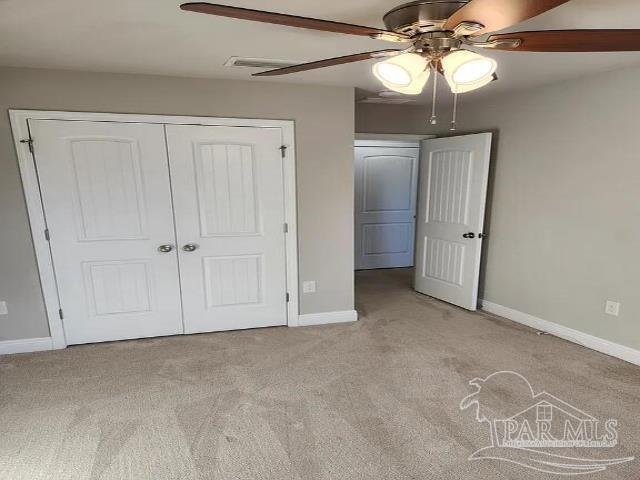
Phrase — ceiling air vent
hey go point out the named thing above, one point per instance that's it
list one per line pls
(388, 101)
(388, 97)
(266, 63)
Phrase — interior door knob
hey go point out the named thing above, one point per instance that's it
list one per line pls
(190, 247)
(469, 235)
(165, 248)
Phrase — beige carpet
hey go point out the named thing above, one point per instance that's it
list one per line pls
(376, 399)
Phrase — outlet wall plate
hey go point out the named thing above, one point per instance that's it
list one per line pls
(309, 286)
(3, 308)
(612, 308)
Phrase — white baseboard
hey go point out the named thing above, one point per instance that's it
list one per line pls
(46, 343)
(601, 345)
(26, 345)
(327, 317)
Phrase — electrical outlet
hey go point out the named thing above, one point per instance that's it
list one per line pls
(3, 308)
(309, 286)
(612, 308)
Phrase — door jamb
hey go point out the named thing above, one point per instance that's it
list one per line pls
(35, 208)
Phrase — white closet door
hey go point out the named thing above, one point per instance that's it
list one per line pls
(106, 195)
(385, 206)
(228, 195)
(454, 174)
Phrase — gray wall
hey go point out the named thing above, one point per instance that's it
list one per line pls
(324, 119)
(565, 200)
(376, 118)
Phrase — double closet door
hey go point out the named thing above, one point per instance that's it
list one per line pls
(163, 229)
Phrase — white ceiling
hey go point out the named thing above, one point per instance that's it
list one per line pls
(155, 36)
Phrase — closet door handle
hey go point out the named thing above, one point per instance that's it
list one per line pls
(190, 247)
(469, 235)
(165, 248)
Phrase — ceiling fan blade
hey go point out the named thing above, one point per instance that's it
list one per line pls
(292, 21)
(571, 41)
(330, 62)
(495, 15)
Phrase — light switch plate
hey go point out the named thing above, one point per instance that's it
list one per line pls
(612, 308)
(309, 286)
(3, 308)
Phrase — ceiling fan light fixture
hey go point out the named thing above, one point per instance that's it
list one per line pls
(474, 71)
(464, 88)
(401, 71)
(392, 74)
(466, 71)
(415, 87)
(435, 27)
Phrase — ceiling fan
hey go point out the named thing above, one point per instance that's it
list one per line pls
(436, 33)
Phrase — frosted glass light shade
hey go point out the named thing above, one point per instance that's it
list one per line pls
(401, 71)
(415, 87)
(466, 71)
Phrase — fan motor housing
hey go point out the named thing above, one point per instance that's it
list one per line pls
(422, 16)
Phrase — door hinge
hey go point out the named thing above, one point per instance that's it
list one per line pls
(29, 142)
(287, 297)
(61, 314)
(46, 234)
(285, 228)
(283, 150)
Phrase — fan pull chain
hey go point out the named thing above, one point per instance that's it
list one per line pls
(434, 118)
(455, 112)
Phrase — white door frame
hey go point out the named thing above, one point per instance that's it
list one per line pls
(35, 208)
(386, 143)
(392, 137)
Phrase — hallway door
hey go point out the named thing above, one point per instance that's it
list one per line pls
(385, 206)
(454, 174)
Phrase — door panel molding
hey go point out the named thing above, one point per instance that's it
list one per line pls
(30, 183)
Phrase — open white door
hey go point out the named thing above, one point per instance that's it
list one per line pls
(454, 174)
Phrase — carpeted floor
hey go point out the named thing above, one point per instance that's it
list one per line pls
(376, 399)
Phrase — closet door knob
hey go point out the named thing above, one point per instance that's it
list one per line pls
(165, 248)
(190, 247)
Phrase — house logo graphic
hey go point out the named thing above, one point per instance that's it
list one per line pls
(539, 431)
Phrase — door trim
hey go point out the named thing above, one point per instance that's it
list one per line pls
(35, 208)
(386, 144)
(394, 137)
